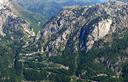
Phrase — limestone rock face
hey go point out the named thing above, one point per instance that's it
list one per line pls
(101, 29)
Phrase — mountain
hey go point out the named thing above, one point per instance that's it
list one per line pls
(81, 27)
(90, 40)
(86, 43)
(45, 9)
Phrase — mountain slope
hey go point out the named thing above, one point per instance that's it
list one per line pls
(79, 28)
(91, 41)
(15, 33)
(80, 44)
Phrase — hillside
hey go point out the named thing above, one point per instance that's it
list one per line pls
(86, 43)
(15, 32)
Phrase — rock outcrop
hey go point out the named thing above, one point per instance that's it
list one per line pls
(100, 31)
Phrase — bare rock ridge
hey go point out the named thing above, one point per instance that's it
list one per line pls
(79, 28)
